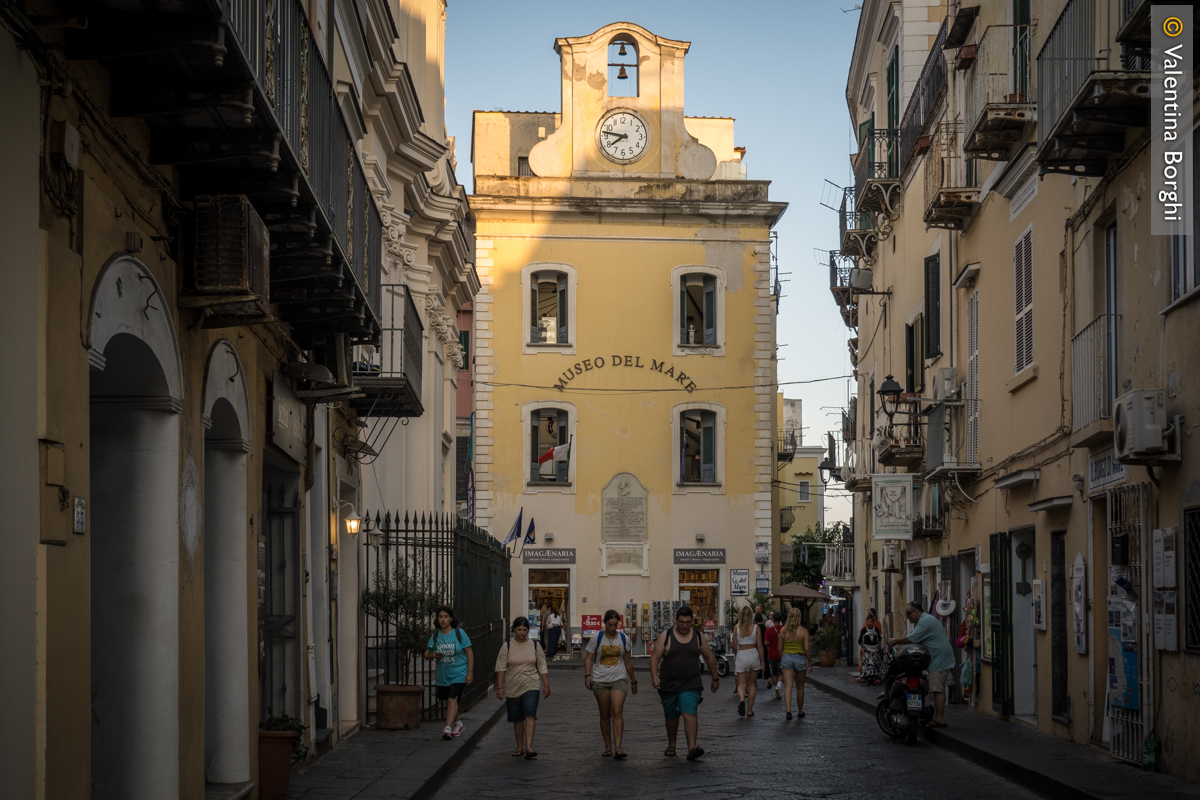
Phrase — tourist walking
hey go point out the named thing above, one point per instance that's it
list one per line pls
(771, 643)
(555, 623)
(675, 672)
(747, 644)
(451, 648)
(793, 646)
(521, 681)
(608, 673)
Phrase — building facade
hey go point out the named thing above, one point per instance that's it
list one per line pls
(209, 207)
(1005, 297)
(628, 315)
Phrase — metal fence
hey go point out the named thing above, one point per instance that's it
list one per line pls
(946, 167)
(878, 158)
(1090, 396)
(924, 98)
(464, 567)
(1002, 72)
(399, 352)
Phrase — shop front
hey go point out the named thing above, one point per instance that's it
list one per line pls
(549, 574)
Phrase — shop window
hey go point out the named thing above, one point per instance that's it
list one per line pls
(623, 67)
(548, 307)
(548, 430)
(698, 446)
(698, 309)
(699, 588)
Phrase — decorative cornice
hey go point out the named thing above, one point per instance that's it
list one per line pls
(399, 254)
(438, 321)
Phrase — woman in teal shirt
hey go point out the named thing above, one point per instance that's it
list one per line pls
(451, 648)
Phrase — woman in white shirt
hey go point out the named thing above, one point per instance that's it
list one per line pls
(520, 664)
(608, 673)
(555, 633)
(747, 643)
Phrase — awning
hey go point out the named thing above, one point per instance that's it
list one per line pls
(797, 591)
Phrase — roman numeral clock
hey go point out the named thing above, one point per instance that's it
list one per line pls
(623, 137)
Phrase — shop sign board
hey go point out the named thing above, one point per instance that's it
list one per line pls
(699, 556)
(592, 624)
(1104, 471)
(549, 555)
(739, 582)
(892, 506)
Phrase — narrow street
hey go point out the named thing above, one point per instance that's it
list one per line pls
(837, 751)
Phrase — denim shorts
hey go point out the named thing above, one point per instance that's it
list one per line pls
(519, 708)
(676, 703)
(794, 661)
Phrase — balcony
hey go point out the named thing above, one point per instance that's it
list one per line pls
(856, 474)
(877, 177)
(839, 286)
(924, 100)
(838, 569)
(998, 95)
(785, 445)
(387, 379)
(900, 441)
(942, 447)
(951, 182)
(858, 234)
(238, 100)
(787, 518)
(1090, 90)
(1092, 382)
(1133, 25)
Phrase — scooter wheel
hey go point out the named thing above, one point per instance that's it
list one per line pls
(723, 668)
(883, 716)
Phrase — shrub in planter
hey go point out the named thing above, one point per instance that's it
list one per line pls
(404, 605)
(279, 746)
(828, 643)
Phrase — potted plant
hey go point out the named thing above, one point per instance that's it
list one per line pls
(404, 606)
(828, 642)
(279, 746)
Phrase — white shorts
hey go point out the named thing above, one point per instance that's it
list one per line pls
(747, 661)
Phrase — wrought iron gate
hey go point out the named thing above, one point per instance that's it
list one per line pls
(459, 563)
(1128, 518)
(279, 596)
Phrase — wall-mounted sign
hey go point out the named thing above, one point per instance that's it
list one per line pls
(549, 555)
(624, 510)
(287, 420)
(667, 370)
(762, 582)
(591, 624)
(1079, 603)
(688, 556)
(892, 506)
(1104, 471)
(80, 525)
(762, 552)
(739, 582)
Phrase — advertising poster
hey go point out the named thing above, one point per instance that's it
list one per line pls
(1122, 657)
(1165, 621)
(1079, 604)
(592, 624)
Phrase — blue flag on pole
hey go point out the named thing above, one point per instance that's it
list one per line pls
(516, 529)
(531, 534)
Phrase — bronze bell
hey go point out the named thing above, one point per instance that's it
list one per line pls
(621, 52)
(621, 76)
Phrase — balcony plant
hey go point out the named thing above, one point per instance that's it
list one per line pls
(403, 603)
(828, 644)
(279, 746)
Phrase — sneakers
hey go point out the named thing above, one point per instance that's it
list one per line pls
(447, 734)
(458, 729)
(778, 696)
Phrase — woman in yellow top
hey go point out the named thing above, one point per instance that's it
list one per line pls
(519, 666)
(793, 646)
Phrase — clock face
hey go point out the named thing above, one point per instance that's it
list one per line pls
(623, 137)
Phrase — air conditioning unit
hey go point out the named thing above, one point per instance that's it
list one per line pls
(228, 261)
(945, 383)
(861, 278)
(1140, 427)
(889, 557)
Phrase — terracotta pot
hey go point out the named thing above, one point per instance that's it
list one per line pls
(827, 658)
(274, 763)
(398, 708)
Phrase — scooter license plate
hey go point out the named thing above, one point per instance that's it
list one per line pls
(915, 702)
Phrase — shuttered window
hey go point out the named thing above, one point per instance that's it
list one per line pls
(547, 429)
(464, 341)
(698, 309)
(1023, 295)
(462, 466)
(910, 357)
(548, 304)
(893, 89)
(972, 398)
(698, 446)
(933, 306)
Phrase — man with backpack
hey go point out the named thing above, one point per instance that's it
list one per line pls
(675, 672)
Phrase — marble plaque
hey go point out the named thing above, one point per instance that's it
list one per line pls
(625, 558)
(623, 509)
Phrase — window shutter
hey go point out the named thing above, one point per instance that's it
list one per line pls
(461, 467)
(683, 309)
(708, 447)
(909, 359)
(562, 466)
(562, 308)
(535, 419)
(919, 353)
(683, 447)
(1023, 297)
(893, 89)
(933, 306)
(710, 309)
(972, 397)
(534, 334)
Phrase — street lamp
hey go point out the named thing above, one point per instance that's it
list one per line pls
(889, 393)
(353, 520)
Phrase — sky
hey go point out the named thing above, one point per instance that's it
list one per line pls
(778, 68)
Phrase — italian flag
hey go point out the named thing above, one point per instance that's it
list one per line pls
(560, 453)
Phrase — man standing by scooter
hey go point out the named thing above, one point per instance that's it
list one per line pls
(929, 633)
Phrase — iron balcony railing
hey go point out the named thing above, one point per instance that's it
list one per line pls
(878, 158)
(278, 44)
(1091, 382)
(787, 442)
(946, 168)
(1081, 42)
(1002, 73)
(787, 518)
(924, 98)
(400, 352)
(839, 562)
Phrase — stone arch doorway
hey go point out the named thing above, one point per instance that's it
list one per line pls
(135, 399)
(226, 576)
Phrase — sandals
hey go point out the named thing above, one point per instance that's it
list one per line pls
(749, 713)
(670, 751)
(800, 714)
(789, 715)
(619, 755)
(742, 709)
(695, 753)
(606, 753)
(531, 754)
(517, 754)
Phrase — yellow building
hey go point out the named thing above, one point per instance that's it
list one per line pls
(628, 312)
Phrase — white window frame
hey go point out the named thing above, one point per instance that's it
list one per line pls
(677, 348)
(806, 497)
(1023, 296)
(529, 348)
(527, 410)
(677, 486)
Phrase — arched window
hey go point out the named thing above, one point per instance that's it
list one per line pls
(622, 67)
(548, 302)
(698, 309)
(549, 445)
(698, 446)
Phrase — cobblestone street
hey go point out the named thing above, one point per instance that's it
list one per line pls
(837, 751)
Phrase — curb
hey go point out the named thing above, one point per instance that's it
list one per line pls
(1039, 783)
(434, 782)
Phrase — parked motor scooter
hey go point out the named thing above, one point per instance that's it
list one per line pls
(901, 709)
(723, 655)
